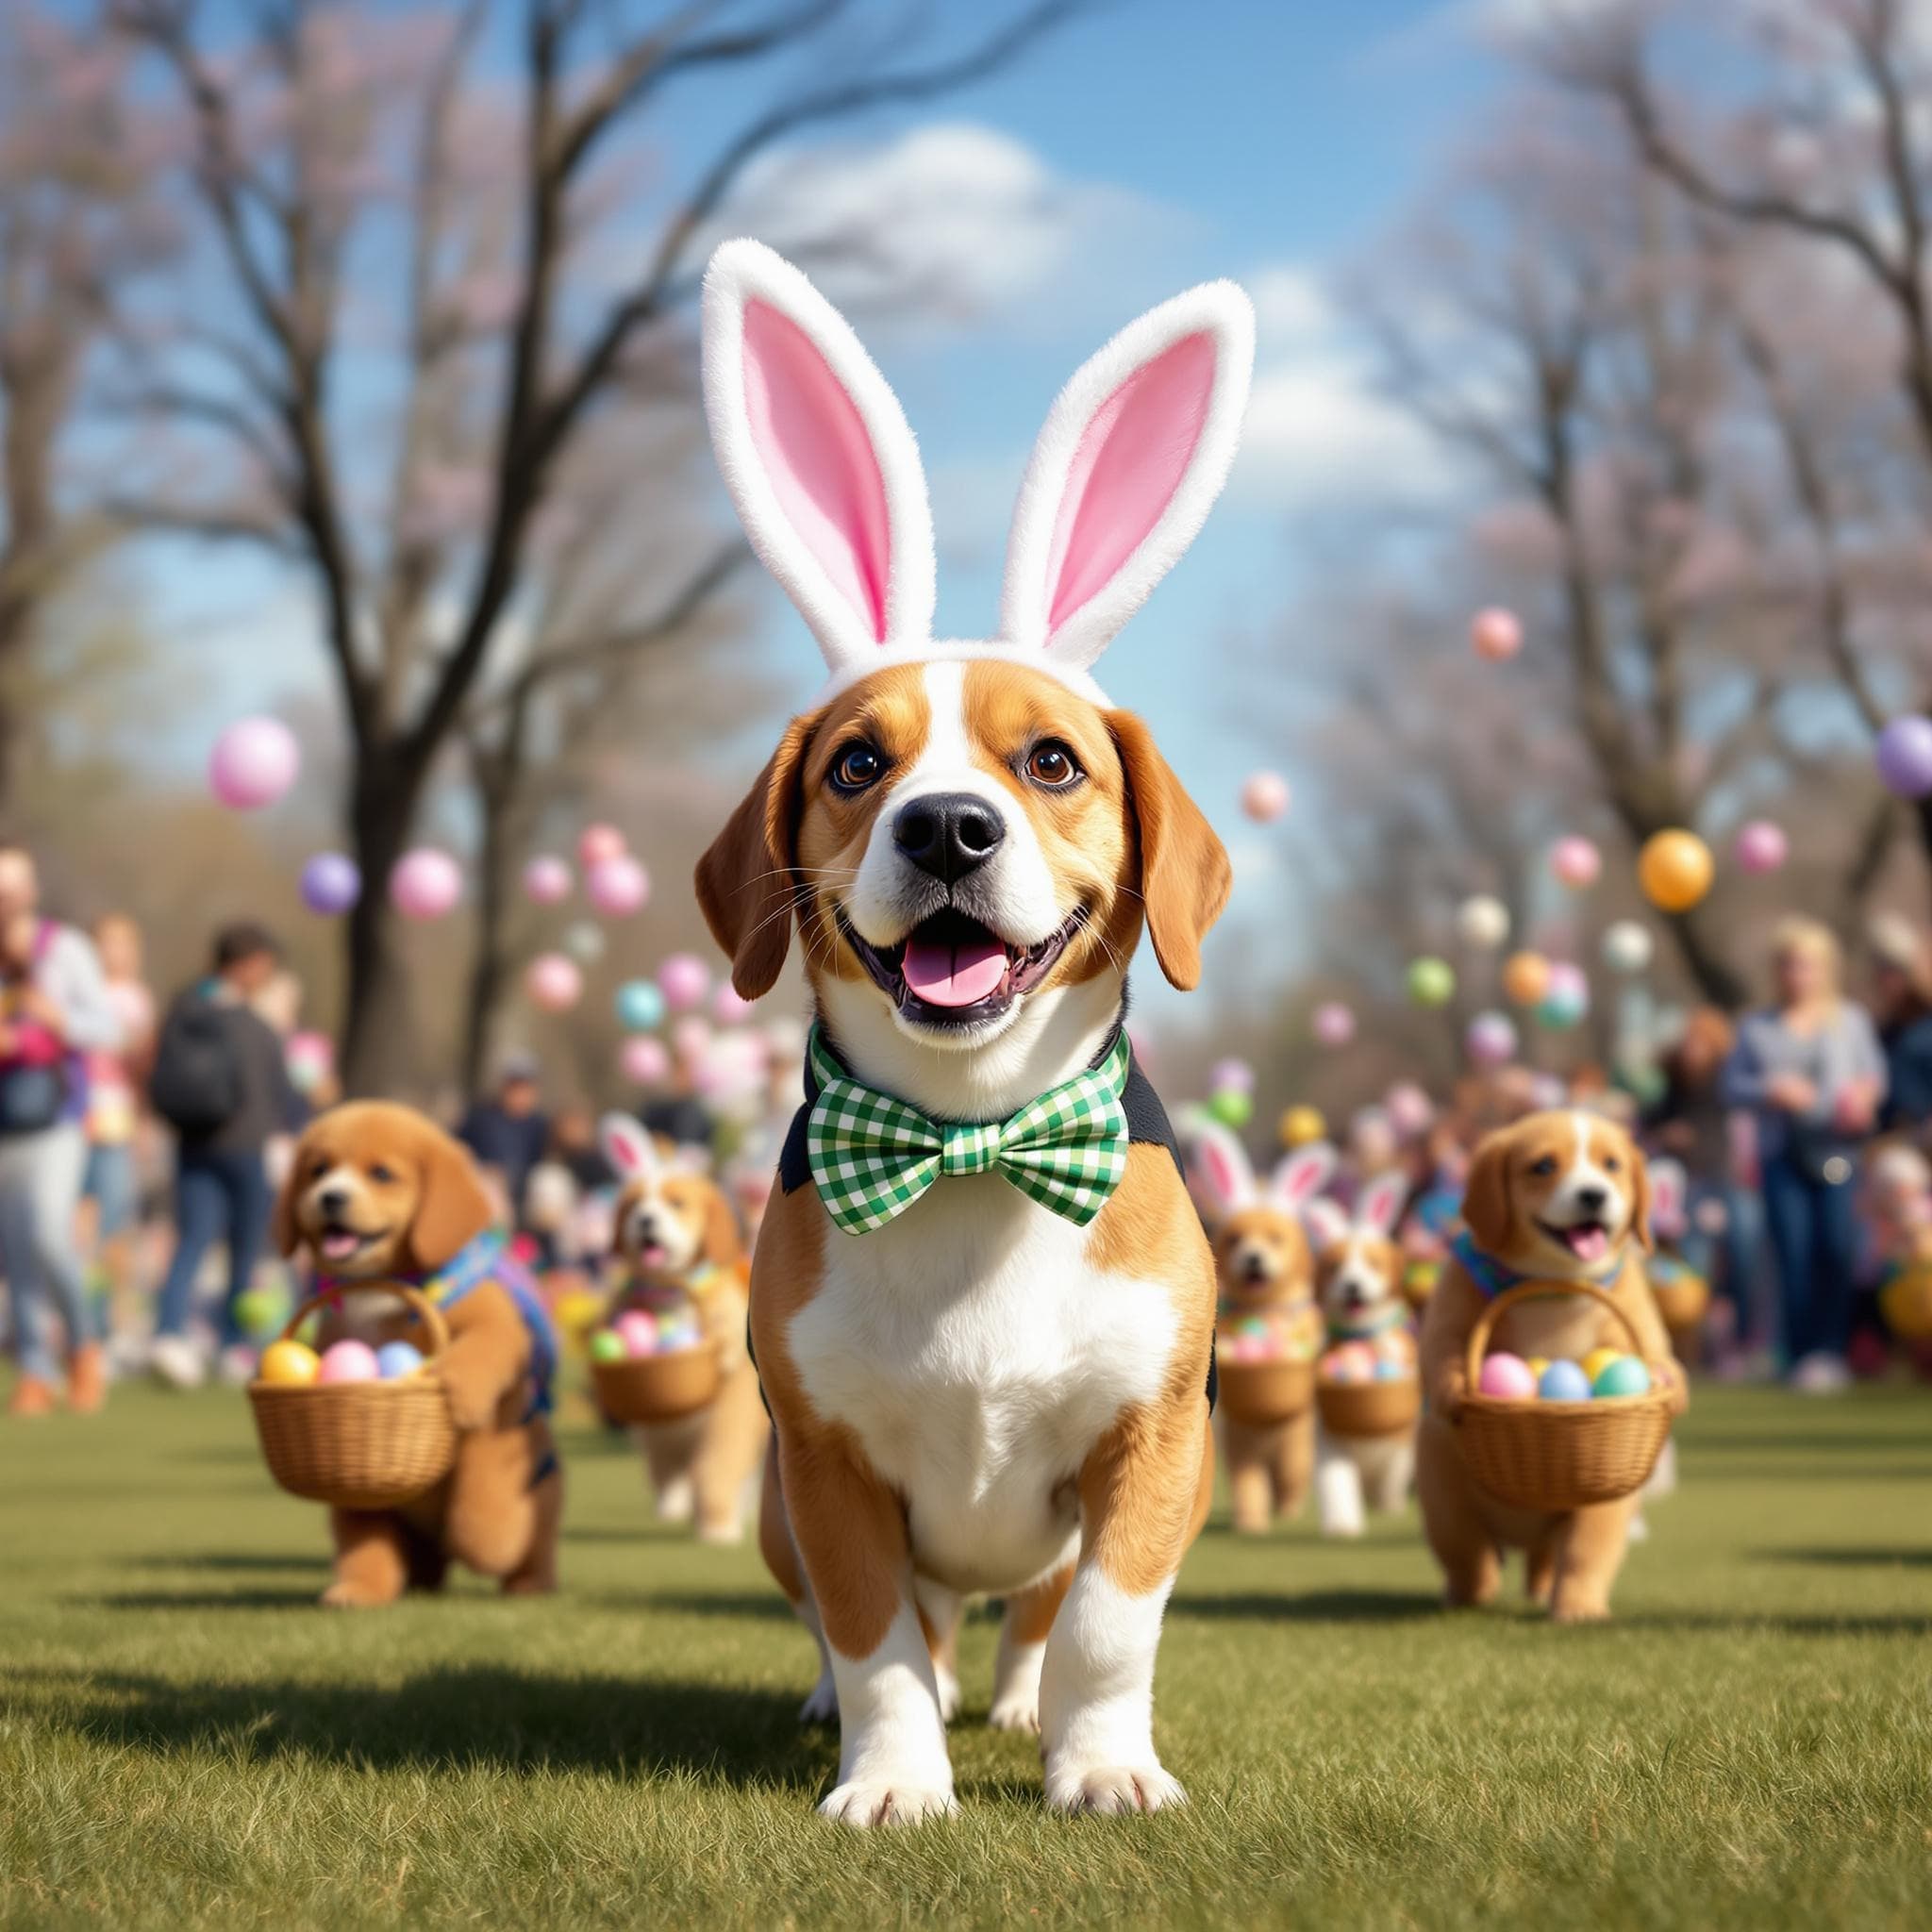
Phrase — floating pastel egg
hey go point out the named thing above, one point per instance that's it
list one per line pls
(1905, 757)
(1265, 796)
(1629, 947)
(1563, 1382)
(1626, 1376)
(1575, 863)
(289, 1364)
(1332, 1023)
(617, 887)
(547, 880)
(607, 1345)
(1598, 1359)
(1526, 977)
(1506, 1377)
(331, 883)
(1761, 846)
(554, 982)
(395, 1359)
(1482, 922)
(253, 763)
(1431, 982)
(1675, 869)
(348, 1361)
(426, 884)
(597, 843)
(636, 1330)
(1495, 634)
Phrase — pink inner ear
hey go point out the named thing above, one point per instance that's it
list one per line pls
(814, 446)
(1220, 1171)
(1131, 458)
(629, 1150)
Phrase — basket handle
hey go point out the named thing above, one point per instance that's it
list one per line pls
(1537, 1290)
(436, 1329)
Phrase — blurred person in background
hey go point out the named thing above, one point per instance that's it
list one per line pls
(221, 1080)
(1902, 1006)
(54, 1012)
(1690, 1122)
(115, 1079)
(507, 1133)
(1809, 1068)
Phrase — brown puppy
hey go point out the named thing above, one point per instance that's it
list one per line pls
(678, 1239)
(1262, 1262)
(1559, 1197)
(378, 1192)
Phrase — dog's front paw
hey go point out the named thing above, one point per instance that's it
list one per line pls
(1110, 1789)
(343, 1595)
(1017, 1711)
(1580, 1612)
(882, 1801)
(473, 1403)
(721, 1535)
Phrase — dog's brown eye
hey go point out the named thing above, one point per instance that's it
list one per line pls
(857, 766)
(380, 1174)
(1613, 1165)
(1053, 765)
(1545, 1167)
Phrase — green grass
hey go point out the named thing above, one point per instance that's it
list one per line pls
(184, 1740)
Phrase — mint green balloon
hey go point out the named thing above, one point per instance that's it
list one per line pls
(1231, 1107)
(1431, 982)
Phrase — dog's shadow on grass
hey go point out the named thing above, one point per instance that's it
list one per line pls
(1311, 1607)
(1917, 1557)
(462, 1717)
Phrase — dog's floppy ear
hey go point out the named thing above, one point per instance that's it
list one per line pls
(1640, 1200)
(453, 1208)
(282, 1229)
(745, 882)
(1185, 874)
(1487, 1204)
(722, 1248)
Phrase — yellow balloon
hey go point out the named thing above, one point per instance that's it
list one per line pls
(289, 1364)
(1675, 870)
(1299, 1126)
(1526, 977)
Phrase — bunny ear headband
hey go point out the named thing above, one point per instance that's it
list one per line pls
(826, 479)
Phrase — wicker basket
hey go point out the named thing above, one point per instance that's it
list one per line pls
(1370, 1409)
(657, 1388)
(1259, 1394)
(359, 1445)
(1558, 1456)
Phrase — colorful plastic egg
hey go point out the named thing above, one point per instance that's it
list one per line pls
(348, 1361)
(1563, 1382)
(1626, 1375)
(1506, 1377)
(1389, 1369)
(607, 1345)
(289, 1364)
(1537, 1364)
(637, 1331)
(1598, 1359)
(395, 1359)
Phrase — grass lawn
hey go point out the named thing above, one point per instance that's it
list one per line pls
(185, 1740)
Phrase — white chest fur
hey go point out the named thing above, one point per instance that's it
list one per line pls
(979, 1358)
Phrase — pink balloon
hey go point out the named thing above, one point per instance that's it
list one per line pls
(596, 843)
(1575, 862)
(1410, 1110)
(426, 884)
(1265, 796)
(729, 1007)
(554, 982)
(684, 979)
(547, 880)
(1333, 1025)
(691, 1039)
(253, 762)
(1496, 633)
(1762, 846)
(1568, 982)
(618, 886)
(645, 1060)
(1491, 1040)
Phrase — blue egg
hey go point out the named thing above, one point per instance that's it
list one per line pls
(395, 1359)
(1389, 1370)
(1565, 1382)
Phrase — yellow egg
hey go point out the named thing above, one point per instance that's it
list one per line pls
(1597, 1360)
(1537, 1364)
(289, 1363)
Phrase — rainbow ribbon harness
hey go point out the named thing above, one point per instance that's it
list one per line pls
(489, 1259)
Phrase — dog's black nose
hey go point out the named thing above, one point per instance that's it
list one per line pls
(334, 1200)
(1592, 1198)
(947, 835)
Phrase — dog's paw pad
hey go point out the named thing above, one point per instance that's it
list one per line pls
(1114, 1789)
(1015, 1714)
(822, 1706)
(880, 1800)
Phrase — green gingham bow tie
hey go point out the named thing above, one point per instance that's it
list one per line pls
(872, 1156)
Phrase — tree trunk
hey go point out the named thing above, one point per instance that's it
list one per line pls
(488, 964)
(378, 1051)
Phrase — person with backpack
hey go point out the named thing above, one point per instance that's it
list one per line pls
(54, 1011)
(221, 1081)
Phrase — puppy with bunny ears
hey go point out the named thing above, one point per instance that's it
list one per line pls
(1359, 1275)
(981, 1303)
(677, 1237)
(1262, 1262)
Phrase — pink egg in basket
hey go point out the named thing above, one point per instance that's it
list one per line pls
(349, 1361)
(637, 1331)
(1506, 1377)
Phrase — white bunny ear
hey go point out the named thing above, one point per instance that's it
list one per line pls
(1669, 1192)
(1380, 1206)
(1303, 1174)
(1222, 1164)
(817, 456)
(627, 1147)
(1133, 455)
(1325, 1220)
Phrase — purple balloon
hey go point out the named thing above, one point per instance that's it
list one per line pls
(1905, 757)
(330, 883)
(1491, 1040)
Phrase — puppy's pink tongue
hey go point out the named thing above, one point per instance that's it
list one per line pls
(948, 975)
(1589, 1244)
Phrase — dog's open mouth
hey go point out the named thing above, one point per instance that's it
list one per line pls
(1589, 1240)
(952, 971)
(337, 1244)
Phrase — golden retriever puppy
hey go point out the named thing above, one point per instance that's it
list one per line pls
(1561, 1197)
(677, 1237)
(379, 1193)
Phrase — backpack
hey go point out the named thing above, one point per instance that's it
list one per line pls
(196, 1083)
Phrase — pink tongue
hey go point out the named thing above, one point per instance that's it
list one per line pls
(336, 1246)
(1589, 1244)
(953, 975)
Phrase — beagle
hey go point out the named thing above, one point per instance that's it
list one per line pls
(378, 1192)
(981, 1303)
(677, 1239)
(1263, 1267)
(1561, 1197)
(1359, 1271)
